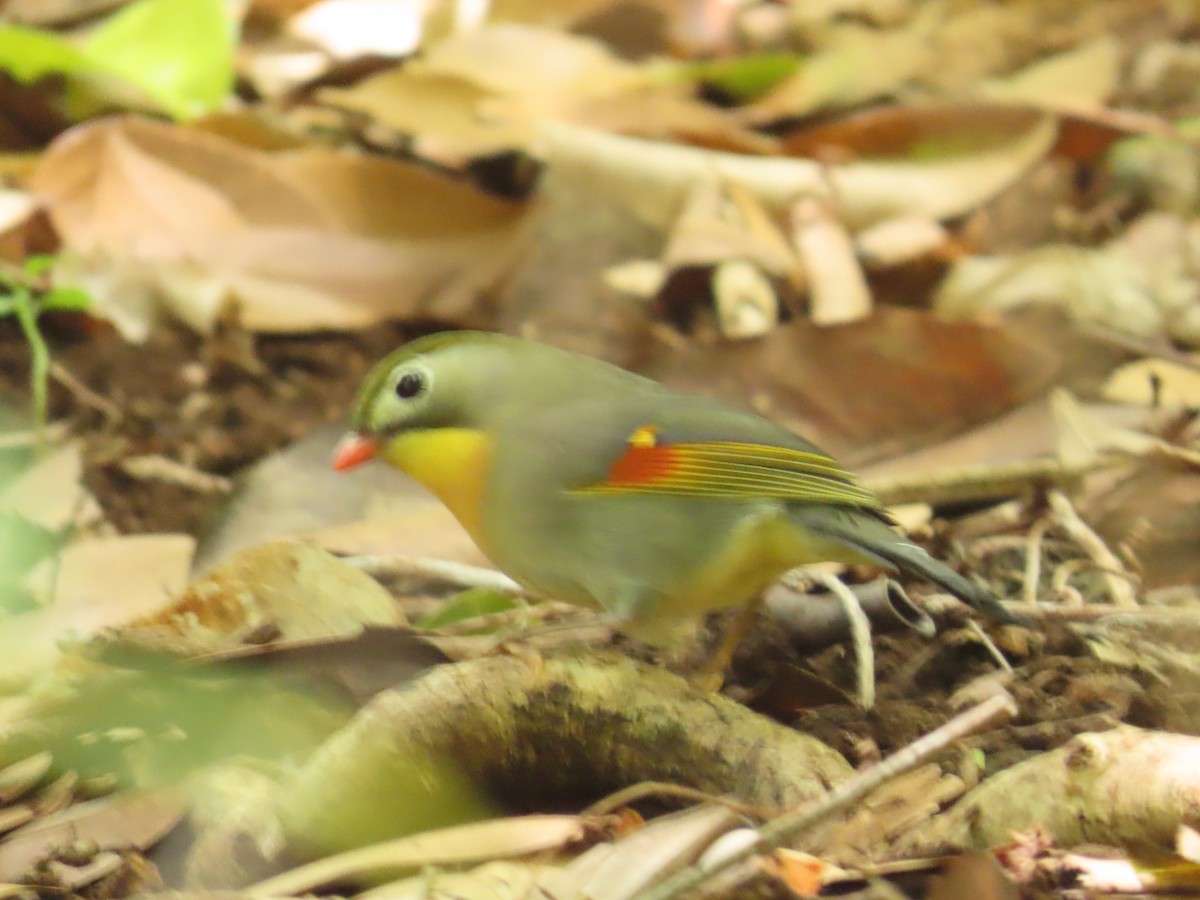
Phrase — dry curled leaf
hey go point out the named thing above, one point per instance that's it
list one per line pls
(152, 214)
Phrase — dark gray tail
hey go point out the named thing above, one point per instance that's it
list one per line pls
(876, 539)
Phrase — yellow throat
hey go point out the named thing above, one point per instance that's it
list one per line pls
(453, 463)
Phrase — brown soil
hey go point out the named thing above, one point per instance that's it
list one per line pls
(216, 404)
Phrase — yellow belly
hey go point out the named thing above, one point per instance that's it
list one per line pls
(755, 557)
(453, 464)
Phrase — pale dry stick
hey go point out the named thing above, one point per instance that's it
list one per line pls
(163, 469)
(1066, 571)
(1033, 560)
(991, 646)
(997, 543)
(460, 574)
(860, 635)
(1119, 589)
(84, 394)
(643, 789)
(1094, 611)
(788, 826)
(1060, 583)
(18, 440)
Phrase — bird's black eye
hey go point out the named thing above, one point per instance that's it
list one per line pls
(409, 385)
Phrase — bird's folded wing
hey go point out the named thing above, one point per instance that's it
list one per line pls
(730, 469)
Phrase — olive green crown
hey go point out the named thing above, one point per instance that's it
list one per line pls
(422, 346)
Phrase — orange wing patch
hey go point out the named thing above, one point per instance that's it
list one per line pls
(729, 469)
(645, 462)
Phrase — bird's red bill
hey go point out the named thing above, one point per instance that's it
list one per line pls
(353, 450)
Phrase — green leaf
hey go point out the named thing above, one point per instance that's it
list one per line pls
(469, 604)
(745, 78)
(180, 52)
(28, 54)
(38, 264)
(175, 54)
(66, 299)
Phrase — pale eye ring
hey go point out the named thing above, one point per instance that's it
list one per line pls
(409, 385)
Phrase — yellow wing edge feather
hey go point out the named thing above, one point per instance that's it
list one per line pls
(731, 469)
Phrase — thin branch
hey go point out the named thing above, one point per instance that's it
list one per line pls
(787, 827)
(460, 574)
(860, 635)
(1033, 560)
(1119, 588)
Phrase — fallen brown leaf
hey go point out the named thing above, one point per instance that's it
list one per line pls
(318, 239)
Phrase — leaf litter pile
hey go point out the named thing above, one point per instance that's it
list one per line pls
(952, 243)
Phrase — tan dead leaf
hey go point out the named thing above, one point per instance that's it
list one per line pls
(1154, 510)
(629, 866)
(132, 183)
(857, 65)
(156, 214)
(101, 581)
(540, 67)
(977, 875)
(1091, 285)
(431, 104)
(548, 13)
(1079, 78)
(95, 583)
(500, 880)
(124, 820)
(726, 222)
(672, 113)
(975, 159)
(293, 591)
(50, 492)
(1155, 382)
(407, 202)
(456, 845)
(358, 665)
(482, 90)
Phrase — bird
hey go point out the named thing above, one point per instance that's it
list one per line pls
(590, 484)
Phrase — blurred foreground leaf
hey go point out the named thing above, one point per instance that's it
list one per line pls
(173, 55)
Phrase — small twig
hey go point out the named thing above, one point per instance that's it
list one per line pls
(1033, 560)
(155, 467)
(383, 568)
(990, 644)
(787, 827)
(860, 636)
(15, 440)
(635, 792)
(997, 543)
(1093, 611)
(1060, 583)
(1092, 544)
(84, 394)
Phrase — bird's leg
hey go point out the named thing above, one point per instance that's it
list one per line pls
(712, 674)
